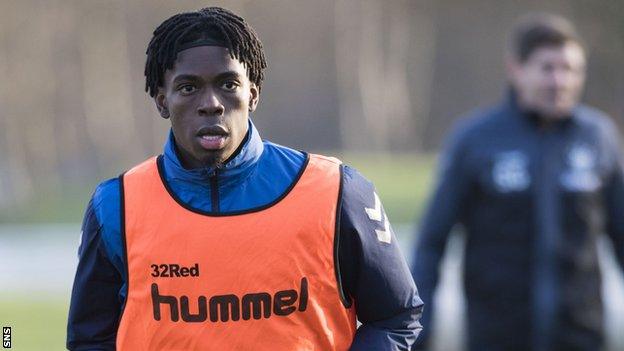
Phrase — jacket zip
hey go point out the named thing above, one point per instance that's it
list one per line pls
(545, 273)
(214, 191)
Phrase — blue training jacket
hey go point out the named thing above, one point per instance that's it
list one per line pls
(533, 201)
(374, 274)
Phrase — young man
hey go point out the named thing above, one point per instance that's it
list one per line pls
(226, 242)
(534, 181)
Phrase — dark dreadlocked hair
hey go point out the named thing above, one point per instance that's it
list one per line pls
(214, 23)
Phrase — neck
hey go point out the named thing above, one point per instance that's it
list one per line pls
(543, 120)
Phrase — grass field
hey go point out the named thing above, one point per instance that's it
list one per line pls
(403, 181)
(37, 322)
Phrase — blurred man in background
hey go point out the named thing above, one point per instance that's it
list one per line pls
(534, 181)
(228, 242)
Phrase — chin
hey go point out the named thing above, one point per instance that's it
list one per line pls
(209, 158)
(564, 111)
(557, 113)
(213, 160)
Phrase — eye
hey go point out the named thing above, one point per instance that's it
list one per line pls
(187, 89)
(230, 85)
(548, 67)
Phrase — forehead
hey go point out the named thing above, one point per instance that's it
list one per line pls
(570, 53)
(205, 61)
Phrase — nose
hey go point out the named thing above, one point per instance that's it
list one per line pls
(561, 77)
(557, 79)
(210, 104)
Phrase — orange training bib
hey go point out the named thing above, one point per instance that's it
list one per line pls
(259, 280)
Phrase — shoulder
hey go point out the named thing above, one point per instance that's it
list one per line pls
(475, 123)
(105, 192)
(355, 179)
(592, 118)
(106, 198)
(277, 171)
(587, 112)
(325, 166)
(107, 209)
(282, 154)
(357, 191)
(603, 132)
(281, 163)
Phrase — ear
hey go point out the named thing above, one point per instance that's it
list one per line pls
(161, 104)
(254, 97)
(512, 68)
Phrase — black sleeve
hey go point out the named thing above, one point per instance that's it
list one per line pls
(442, 213)
(95, 307)
(614, 194)
(373, 271)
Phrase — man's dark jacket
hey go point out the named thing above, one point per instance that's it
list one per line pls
(533, 198)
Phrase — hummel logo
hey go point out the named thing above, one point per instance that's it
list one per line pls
(375, 215)
(384, 235)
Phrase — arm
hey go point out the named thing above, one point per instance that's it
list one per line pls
(442, 213)
(373, 271)
(95, 304)
(614, 195)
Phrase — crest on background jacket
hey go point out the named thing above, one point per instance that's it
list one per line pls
(511, 171)
(580, 172)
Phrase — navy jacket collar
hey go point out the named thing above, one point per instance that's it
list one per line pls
(529, 117)
(235, 170)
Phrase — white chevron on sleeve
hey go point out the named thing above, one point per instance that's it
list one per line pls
(384, 235)
(374, 213)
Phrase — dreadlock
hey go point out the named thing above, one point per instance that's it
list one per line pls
(215, 23)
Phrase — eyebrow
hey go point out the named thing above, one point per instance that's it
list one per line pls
(193, 77)
(182, 77)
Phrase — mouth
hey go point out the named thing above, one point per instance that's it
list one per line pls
(212, 137)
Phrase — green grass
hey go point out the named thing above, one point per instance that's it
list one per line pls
(403, 181)
(37, 323)
(50, 206)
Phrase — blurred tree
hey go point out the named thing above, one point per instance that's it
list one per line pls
(367, 75)
(377, 42)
